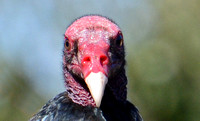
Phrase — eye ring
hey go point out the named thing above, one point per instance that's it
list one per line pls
(67, 44)
(119, 39)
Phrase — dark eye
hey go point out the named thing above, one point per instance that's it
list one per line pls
(119, 39)
(67, 44)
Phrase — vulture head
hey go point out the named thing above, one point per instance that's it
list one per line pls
(93, 61)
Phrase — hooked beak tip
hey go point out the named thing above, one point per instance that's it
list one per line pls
(96, 83)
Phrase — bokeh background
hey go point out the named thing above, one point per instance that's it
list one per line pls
(162, 52)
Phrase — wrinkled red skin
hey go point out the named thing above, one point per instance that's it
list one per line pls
(92, 48)
(94, 59)
(93, 34)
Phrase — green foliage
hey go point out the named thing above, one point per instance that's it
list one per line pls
(164, 70)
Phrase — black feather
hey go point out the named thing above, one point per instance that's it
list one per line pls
(61, 108)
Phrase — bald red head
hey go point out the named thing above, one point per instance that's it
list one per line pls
(93, 34)
(89, 42)
(83, 27)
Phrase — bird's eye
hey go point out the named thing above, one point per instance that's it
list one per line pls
(67, 44)
(119, 39)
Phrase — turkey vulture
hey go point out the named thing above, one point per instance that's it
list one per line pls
(94, 74)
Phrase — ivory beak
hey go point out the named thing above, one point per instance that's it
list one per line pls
(96, 83)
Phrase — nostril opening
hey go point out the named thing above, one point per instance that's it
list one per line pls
(103, 59)
(86, 59)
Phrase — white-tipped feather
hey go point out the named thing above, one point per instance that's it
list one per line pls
(96, 83)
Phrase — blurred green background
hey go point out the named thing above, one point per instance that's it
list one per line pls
(162, 52)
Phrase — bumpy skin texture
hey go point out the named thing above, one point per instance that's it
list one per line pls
(92, 44)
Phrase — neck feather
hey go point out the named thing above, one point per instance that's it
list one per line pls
(118, 87)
